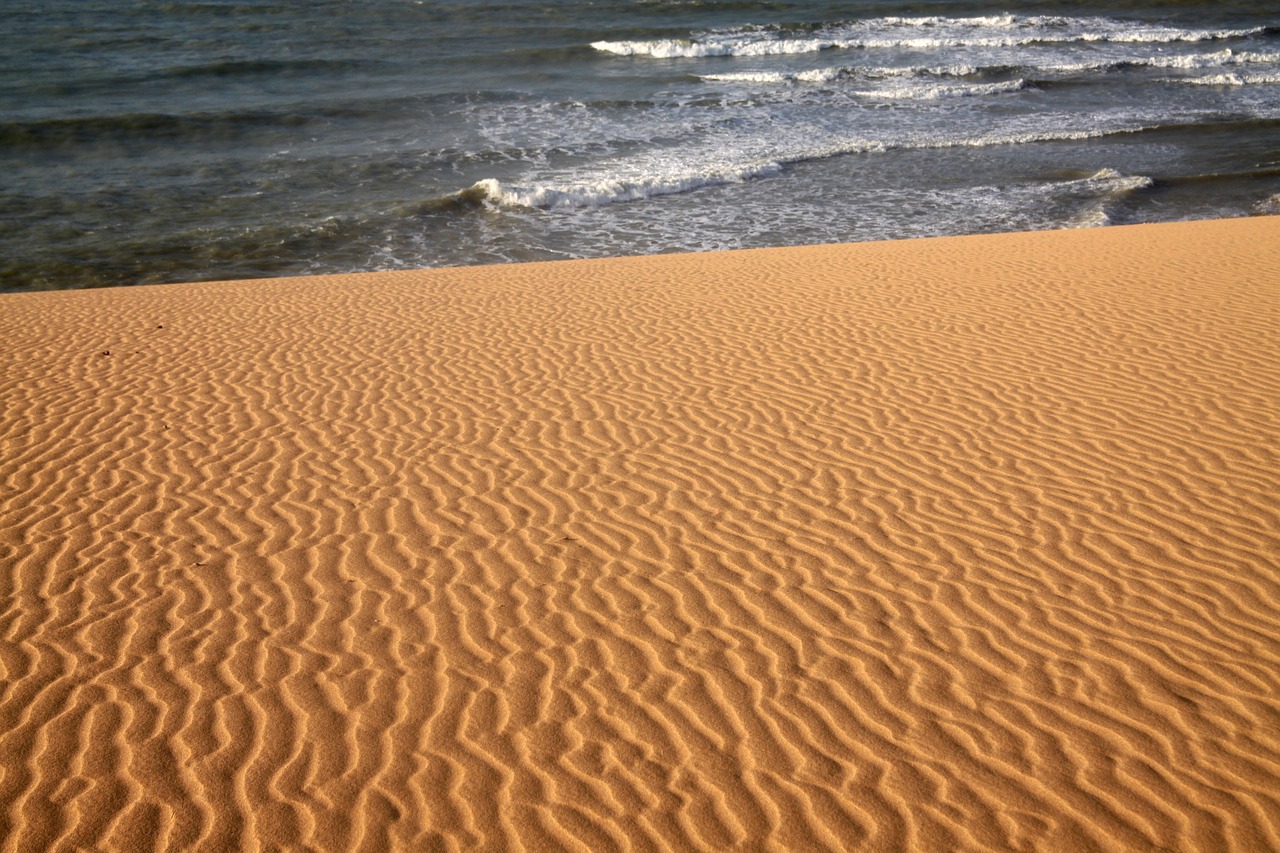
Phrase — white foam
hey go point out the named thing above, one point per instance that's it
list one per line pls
(1110, 185)
(817, 75)
(830, 75)
(1193, 61)
(752, 77)
(611, 190)
(931, 92)
(1241, 78)
(1217, 59)
(1111, 181)
(993, 139)
(993, 22)
(631, 182)
(918, 33)
(687, 49)
(1269, 206)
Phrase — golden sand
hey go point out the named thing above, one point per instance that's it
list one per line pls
(956, 544)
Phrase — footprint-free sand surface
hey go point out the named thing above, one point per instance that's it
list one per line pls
(955, 544)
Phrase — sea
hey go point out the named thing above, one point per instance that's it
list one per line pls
(152, 141)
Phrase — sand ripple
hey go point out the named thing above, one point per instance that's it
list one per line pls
(963, 544)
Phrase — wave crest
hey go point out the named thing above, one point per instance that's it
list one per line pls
(928, 32)
(611, 189)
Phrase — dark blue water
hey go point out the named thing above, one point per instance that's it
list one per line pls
(149, 142)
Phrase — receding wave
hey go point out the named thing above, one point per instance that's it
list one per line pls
(917, 33)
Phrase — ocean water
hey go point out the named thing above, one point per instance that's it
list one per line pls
(146, 141)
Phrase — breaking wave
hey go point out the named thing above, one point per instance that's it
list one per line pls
(1225, 58)
(604, 190)
(916, 33)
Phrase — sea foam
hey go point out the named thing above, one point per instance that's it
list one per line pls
(917, 33)
(1193, 61)
(637, 185)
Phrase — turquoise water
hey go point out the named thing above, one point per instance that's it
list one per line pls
(148, 142)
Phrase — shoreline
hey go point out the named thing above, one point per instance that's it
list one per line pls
(1261, 211)
(951, 543)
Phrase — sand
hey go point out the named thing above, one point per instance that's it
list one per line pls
(951, 544)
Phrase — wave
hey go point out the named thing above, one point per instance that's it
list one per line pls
(847, 72)
(917, 33)
(1269, 206)
(228, 124)
(1218, 59)
(1232, 79)
(256, 67)
(687, 48)
(1105, 188)
(926, 92)
(89, 129)
(904, 91)
(611, 190)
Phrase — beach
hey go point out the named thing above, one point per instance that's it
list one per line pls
(961, 543)
(223, 139)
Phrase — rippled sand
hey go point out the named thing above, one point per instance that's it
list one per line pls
(956, 544)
